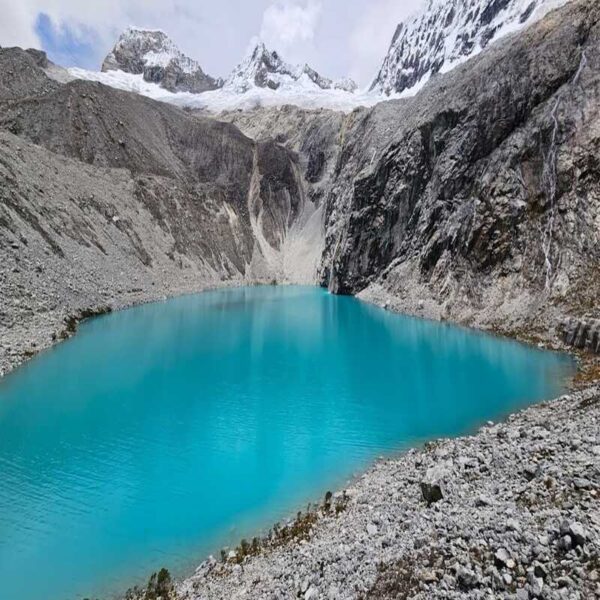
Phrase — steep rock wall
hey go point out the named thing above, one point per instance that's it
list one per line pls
(478, 200)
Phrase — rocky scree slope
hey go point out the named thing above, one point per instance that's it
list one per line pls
(448, 32)
(154, 55)
(108, 198)
(509, 513)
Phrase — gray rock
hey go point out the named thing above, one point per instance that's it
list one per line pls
(483, 500)
(565, 543)
(311, 594)
(503, 559)
(540, 571)
(536, 583)
(577, 533)
(466, 578)
(432, 485)
(531, 472)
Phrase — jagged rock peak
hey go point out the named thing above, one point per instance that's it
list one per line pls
(266, 69)
(448, 32)
(152, 53)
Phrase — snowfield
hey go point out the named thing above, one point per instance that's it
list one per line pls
(302, 93)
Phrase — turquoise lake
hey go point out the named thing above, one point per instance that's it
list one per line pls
(161, 433)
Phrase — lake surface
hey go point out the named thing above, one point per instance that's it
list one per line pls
(161, 433)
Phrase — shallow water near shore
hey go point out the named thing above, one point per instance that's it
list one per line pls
(163, 432)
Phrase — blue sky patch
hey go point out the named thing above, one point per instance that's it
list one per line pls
(66, 46)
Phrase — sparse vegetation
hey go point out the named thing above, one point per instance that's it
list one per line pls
(72, 321)
(160, 587)
(297, 530)
(402, 579)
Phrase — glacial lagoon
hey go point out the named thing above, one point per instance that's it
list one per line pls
(159, 434)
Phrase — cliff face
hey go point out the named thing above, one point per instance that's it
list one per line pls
(478, 200)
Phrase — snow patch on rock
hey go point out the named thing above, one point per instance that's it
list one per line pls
(152, 54)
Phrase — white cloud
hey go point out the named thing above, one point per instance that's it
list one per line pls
(337, 37)
(16, 25)
(287, 23)
(371, 36)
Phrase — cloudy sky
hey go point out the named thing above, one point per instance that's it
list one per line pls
(337, 37)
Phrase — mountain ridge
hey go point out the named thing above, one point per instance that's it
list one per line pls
(448, 32)
(153, 54)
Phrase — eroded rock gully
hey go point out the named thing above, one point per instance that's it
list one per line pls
(474, 201)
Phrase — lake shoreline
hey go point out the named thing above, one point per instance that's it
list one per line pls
(44, 330)
(214, 579)
(516, 513)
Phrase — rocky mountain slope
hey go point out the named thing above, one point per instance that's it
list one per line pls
(475, 201)
(448, 32)
(154, 55)
(478, 201)
(109, 198)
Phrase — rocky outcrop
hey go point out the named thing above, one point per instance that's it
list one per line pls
(151, 53)
(582, 333)
(312, 135)
(448, 32)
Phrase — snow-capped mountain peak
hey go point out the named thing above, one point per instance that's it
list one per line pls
(448, 32)
(152, 53)
(264, 68)
(260, 68)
